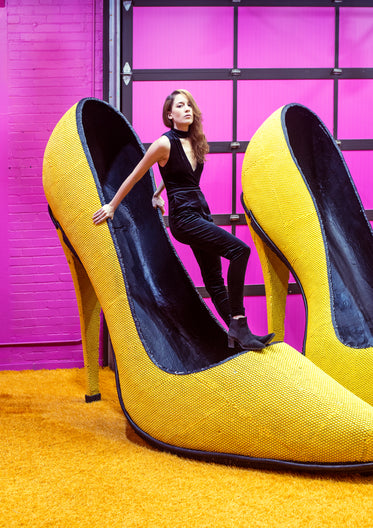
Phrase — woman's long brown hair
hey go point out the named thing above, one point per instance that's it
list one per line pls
(197, 137)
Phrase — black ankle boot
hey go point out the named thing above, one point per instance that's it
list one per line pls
(240, 333)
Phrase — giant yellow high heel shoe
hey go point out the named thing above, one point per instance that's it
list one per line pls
(177, 383)
(306, 216)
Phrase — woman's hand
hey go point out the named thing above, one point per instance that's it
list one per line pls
(106, 212)
(157, 201)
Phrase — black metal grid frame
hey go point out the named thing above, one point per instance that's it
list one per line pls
(235, 74)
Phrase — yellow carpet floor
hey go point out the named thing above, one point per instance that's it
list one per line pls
(65, 463)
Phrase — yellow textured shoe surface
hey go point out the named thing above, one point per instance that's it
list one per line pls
(275, 192)
(273, 404)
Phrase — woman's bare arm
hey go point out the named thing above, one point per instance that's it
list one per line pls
(158, 152)
(157, 199)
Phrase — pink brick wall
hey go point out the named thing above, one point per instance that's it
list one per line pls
(50, 57)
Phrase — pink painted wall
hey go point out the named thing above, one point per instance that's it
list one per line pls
(50, 57)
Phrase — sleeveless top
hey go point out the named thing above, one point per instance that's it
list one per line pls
(178, 173)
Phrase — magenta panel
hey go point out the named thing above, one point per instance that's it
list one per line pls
(182, 37)
(216, 182)
(355, 108)
(356, 37)
(360, 164)
(285, 37)
(295, 320)
(257, 100)
(254, 273)
(214, 99)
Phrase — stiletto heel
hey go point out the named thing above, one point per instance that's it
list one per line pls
(178, 383)
(230, 342)
(241, 334)
(300, 197)
(276, 280)
(89, 315)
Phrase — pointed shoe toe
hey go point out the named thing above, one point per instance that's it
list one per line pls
(306, 216)
(266, 339)
(177, 383)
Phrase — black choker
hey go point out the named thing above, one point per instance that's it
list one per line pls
(181, 133)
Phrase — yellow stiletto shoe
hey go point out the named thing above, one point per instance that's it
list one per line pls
(307, 217)
(177, 383)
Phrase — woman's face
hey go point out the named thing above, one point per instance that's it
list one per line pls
(181, 113)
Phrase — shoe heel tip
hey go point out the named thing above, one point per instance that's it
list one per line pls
(94, 397)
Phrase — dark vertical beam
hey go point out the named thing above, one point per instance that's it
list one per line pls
(105, 95)
(235, 74)
(336, 72)
(105, 51)
(126, 59)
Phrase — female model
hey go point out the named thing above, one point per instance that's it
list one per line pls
(180, 154)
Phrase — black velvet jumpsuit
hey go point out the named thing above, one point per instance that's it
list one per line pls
(191, 223)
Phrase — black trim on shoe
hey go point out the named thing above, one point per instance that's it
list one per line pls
(65, 239)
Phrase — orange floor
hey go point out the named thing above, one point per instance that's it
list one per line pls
(65, 463)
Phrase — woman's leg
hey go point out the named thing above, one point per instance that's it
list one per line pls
(210, 242)
(206, 238)
(211, 271)
(235, 282)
